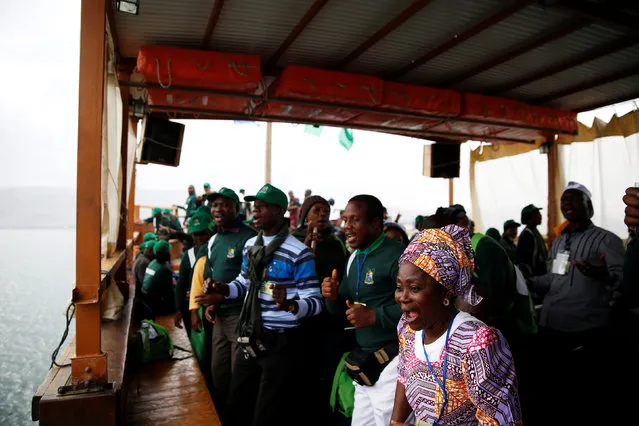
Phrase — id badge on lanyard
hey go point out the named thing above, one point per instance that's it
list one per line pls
(561, 264)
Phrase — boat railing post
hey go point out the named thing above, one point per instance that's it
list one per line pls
(89, 363)
(269, 142)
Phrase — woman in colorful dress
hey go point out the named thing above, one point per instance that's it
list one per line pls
(453, 369)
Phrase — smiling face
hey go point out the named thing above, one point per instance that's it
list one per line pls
(359, 229)
(574, 206)
(318, 215)
(420, 297)
(224, 211)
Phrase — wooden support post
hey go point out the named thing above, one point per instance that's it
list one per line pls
(124, 154)
(89, 363)
(131, 209)
(553, 182)
(451, 191)
(269, 138)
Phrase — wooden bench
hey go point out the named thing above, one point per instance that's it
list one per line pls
(170, 392)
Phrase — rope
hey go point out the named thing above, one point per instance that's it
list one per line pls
(54, 355)
(157, 68)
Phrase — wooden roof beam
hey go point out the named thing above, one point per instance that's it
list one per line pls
(616, 100)
(609, 15)
(391, 26)
(619, 75)
(112, 26)
(511, 9)
(559, 32)
(297, 30)
(214, 17)
(575, 61)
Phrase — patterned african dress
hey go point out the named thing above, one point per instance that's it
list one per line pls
(481, 383)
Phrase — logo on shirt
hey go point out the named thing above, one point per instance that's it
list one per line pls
(231, 253)
(368, 279)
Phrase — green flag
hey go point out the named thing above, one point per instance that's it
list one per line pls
(346, 138)
(313, 130)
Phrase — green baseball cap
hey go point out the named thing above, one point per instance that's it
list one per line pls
(530, 208)
(156, 210)
(270, 195)
(510, 223)
(166, 211)
(142, 246)
(419, 219)
(200, 221)
(150, 245)
(207, 185)
(149, 236)
(225, 192)
(161, 247)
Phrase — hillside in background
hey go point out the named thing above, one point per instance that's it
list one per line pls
(37, 208)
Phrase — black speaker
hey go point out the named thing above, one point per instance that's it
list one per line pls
(441, 160)
(161, 141)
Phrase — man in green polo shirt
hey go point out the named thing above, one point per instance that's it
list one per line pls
(200, 226)
(223, 264)
(174, 222)
(157, 288)
(366, 296)
(190, 203)
(157, 219)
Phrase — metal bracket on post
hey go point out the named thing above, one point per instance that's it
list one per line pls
(91, 369)
(89, 295)
(84, 388)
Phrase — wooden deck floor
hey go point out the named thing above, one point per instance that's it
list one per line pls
(170, 392)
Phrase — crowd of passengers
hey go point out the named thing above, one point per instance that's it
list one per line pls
(310, 321)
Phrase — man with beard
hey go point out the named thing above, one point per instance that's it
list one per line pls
(366, 296)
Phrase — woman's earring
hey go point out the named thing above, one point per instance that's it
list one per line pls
(446, 302)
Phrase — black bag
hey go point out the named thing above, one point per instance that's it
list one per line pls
(365, 367)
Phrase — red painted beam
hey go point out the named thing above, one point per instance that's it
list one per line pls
(600, 81)
(297, 30)
(508, 11)
(561, 31)
(411, 10)
(575, 61)
(214, 17)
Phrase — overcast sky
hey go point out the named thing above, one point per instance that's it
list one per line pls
(39, 47)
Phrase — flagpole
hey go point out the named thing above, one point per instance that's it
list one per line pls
(269, 135)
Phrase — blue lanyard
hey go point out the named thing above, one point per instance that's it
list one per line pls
(359, 273)
(441, 384)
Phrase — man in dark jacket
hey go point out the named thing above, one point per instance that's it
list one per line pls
(531, 247)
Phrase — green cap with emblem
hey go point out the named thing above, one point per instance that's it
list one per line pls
(207, 185)
(156, 211)
(161, 247)
(200, 221)
(150, 244)
(166, 211)
(225, 192)
(149, 236)
(270, 195)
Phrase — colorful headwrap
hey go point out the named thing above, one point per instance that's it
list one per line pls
(446, 255)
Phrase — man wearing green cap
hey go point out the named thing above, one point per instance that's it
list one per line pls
(190, 203)
(174, 222)
(142, 262)
(531, 248)
(223, 264)
(157, 219)
(280, 289)
(157, 287)
(200, 230)
(508, 239)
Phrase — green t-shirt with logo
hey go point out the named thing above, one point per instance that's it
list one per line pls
(377, 267)
(224, 261)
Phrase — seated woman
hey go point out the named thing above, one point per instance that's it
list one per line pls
(453, 369)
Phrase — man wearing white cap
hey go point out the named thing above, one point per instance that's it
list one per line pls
(586, 262)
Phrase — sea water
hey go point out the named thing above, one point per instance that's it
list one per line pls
(37, 269)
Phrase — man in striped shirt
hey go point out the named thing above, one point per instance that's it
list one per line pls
(263, 386)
